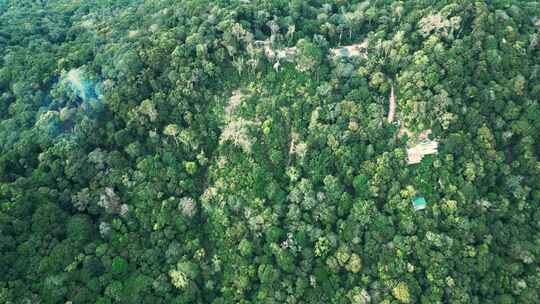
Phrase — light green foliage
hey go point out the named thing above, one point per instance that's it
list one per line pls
(321, 247)
(187, 151)
(178, 279)
(191, 167)
(359, 296)
(342, 256)
(246, 248)
(148, 108)
(171, 130)
(401, 293)
(354, 264)
(308, 57)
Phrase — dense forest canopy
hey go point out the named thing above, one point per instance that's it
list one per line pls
(285, 151)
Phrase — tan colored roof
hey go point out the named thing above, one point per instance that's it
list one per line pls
(354, 50)
(416, 153)
(285, 53)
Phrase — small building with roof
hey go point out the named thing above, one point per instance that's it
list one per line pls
(355, 50)
(426, 147)
(419, 203)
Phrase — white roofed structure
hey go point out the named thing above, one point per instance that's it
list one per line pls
(416, 154)
(355, 50)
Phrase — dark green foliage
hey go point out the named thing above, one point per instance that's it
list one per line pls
(80, 229)
(119, 266)
(156, 187)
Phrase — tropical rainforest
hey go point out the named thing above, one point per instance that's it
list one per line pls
(235, 151)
